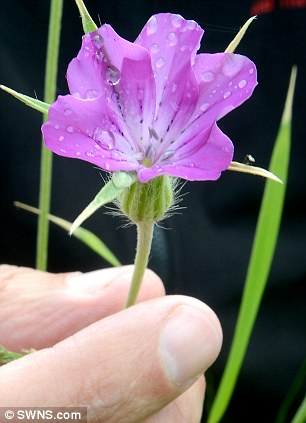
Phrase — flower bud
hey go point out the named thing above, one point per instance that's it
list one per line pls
(148, 202)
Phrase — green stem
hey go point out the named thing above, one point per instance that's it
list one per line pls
(46, 155)
(144, 241)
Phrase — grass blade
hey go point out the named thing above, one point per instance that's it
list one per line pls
(84, 235)
(260, 262)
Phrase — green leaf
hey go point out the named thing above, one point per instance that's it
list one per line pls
(87, 21)
(84, 235)
(29, 101)
(6, 356)
(112, 190)
(260, 262)
(300, 416)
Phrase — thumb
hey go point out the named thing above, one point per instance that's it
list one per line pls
(125, 367)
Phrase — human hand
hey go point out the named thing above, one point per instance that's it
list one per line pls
(141, 364)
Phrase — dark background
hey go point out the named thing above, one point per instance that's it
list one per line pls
(204, 251)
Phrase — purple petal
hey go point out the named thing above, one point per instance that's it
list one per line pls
(172, 42)
(90, 131)
(212, 153)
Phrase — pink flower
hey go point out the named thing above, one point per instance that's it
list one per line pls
(150, 106)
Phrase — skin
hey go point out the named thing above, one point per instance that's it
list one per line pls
(93, 353)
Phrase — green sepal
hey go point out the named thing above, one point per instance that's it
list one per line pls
(87, 21)
(6, 356)
(112, 190)
(148, 202)
(29, 101)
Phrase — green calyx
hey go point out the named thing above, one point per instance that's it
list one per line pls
(148, 202)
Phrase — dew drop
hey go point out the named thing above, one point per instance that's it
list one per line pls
(56, 126)
(207, 76)
(172, 39)
(242, 83)
(61, 138)
(140, 95)
(251, 71)
(78, 153)
(167, 155)
(91, 94)
(176, 20)
(152, 25)
(97, 41)
(159, 62)
(154, 48)
(70, 129)
(67, 112)
(90, 153)
(113, 75)
(232, 65)
(87, 51)
(174, 87)
(62, 150)
(98, 57)
(191, 24)
(227, 94)
(104, 139)
(204, 107)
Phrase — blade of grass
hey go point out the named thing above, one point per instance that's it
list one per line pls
(296, 387)
(300, 415)
(46, 155)
(84, 235)
(260, 262)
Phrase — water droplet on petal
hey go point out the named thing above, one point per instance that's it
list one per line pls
(207, 76)
(97, 41)
(78, 153)
(90, 153)
(172, 39)
(98, 57)
(227, 94)
(56, 126)
(167, 155)
(104, 138)
(232, 65)
(154, 48)
(152, 25)
(62, 150)
(242, 83)
(159, 62)
(113, 75)
(251, 71)
(70, 129)
(176, 20)
(204, 107)
(67, 112)
(61, 138)
(174, 87)
(91, 94)
(191, 24)
(87, 51)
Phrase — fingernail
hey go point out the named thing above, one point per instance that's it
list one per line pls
(97, 280)
(190, 343)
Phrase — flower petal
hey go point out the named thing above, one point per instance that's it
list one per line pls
(211, 154)
(172, 42)
(225, 81)
(90, 131)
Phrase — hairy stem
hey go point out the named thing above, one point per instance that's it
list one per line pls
(144, 241)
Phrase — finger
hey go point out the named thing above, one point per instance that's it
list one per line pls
(124, 368)
(187, 408)
(39, 309)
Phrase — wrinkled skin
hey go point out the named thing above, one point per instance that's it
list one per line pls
(94, 354)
